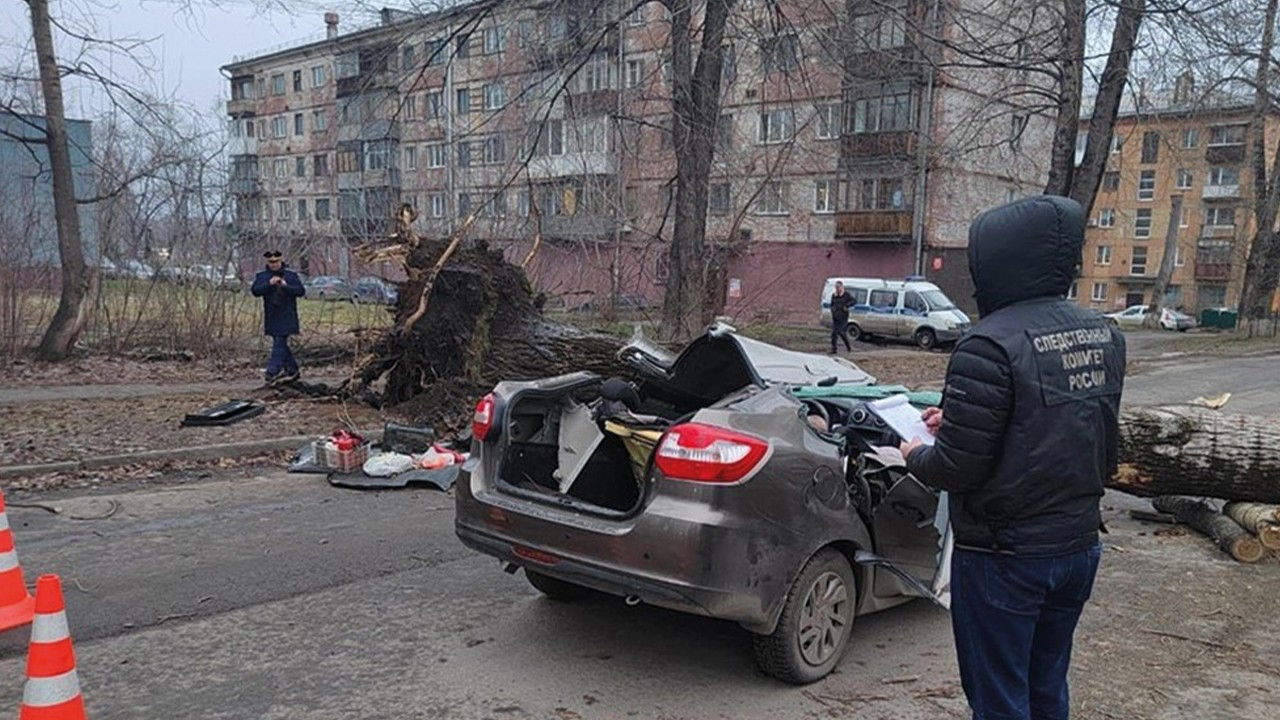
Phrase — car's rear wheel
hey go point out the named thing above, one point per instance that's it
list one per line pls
(555, 588)
(813, 630)
(926, 338)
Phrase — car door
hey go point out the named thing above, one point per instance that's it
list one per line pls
(914, 312)
(880, 318)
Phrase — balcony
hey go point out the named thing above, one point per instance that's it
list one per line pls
(880, 144)
(874, 225)
(595, 102)
(572, 165)
(1212, 270)
(246, 186)
(241, 108)
(1221, 192)
(1218, 231)
(1219, 154)
(242, 146)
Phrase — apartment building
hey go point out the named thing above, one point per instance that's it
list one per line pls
(842, 148)
(1196, 148)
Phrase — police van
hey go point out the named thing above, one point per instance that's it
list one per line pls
(909, 309)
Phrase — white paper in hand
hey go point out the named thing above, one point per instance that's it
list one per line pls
(898, 413)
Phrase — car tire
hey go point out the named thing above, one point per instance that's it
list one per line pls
(926, 339)
(554, 588)
(855, 332)
(804, 648)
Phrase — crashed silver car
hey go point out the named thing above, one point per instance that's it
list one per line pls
(738, 481)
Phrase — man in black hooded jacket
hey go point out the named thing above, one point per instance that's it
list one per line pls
(1025, 438)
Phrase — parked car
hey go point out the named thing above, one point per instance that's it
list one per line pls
(209, 275)
(376, 290)
(135, 269)
(626, 302)
(911, 310)
(1135, 317)
(711, 489)
(329, 287)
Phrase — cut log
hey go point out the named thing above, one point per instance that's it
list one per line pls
(1257, 518)
(1199, 452)
(1227, 533)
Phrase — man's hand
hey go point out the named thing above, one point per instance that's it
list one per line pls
(907, 448)
(277, 280)
(932, 418)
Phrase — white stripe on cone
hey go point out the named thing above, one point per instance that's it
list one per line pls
(43, 692)
(4, 521)
(8, 560)
(50, 627)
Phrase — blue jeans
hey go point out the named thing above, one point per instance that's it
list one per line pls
(1014, 618)
(281, 356)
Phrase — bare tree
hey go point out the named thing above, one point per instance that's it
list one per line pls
(1069, 67)
(1263, 268)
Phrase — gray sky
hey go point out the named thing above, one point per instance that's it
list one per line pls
(188, 44)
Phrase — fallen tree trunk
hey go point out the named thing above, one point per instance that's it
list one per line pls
(1259, 519)
(1199, 452)
(1231, 538)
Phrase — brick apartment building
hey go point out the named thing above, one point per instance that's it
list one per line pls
(1177, 145)
(846, 145)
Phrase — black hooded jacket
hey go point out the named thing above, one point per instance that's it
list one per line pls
(1031, 407)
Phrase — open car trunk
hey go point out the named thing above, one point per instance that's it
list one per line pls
(587, 442)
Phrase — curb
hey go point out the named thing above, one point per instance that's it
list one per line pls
(199, 452)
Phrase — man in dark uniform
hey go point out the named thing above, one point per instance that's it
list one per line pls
(279, 287)
(1026, 437)
(841, 301)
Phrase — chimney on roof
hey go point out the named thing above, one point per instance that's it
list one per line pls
(1184, 87)
(331, 25)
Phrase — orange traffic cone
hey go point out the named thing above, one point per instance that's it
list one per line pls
(16, 604)
(53, 690)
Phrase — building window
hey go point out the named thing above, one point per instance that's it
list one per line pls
(724, 132)
(284, 209)
(411, 158)
(320, 166)
(880, 194)
(464, 205)
(824, 196)
(773, 198)
(409, 107)
(435, 155)
(888, 112)
(463, 103)
(718, 202)
(242, 89)
(495, 40)
(880, 31)
(302, 209)
(1178, 259)
(829, 125)
(436, 203)
(495, 150)
(297, 85)
(299, 128)
(464, 154)
(1150, 147)
(496, 207)
(300, 167)
(779, 54)
(464, 47)
(595, 74)
(319, 78)
(1138, 264)
(635, 73)
(495, 96)
(524, 32)
(1220, 176)
(637, 17)
(550, 139)
(319, 121)
(280, 127)
(1185, 179)
(1190, 138)
(1226, 135)
(436, 52)
(377, 154)
(777, 126)
(1099, 293)
(408, 57)
(1107, 217)
(346, 65)
(435, 103)
(349, 160)
(1111, 181)
(1147, 185)
(322, 210)
(1184, 216)
(280, 168)
(277, 84)
(523, 202)
(1102, 256)
(1074, 291)
(1220, 216)
(1142, 223)
(1117, 143)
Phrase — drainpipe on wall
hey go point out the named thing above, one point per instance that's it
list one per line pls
(451, 160)
(922, 152)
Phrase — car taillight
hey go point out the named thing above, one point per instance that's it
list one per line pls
(482, 422)
(709, 454)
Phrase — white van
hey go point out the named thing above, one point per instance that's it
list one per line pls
(909, 309)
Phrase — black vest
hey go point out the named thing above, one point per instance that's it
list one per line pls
(1062, 441)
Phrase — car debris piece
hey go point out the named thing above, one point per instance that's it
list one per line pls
(225, 413)
(441, 478)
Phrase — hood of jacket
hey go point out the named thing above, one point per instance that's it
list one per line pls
(1025, 250)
